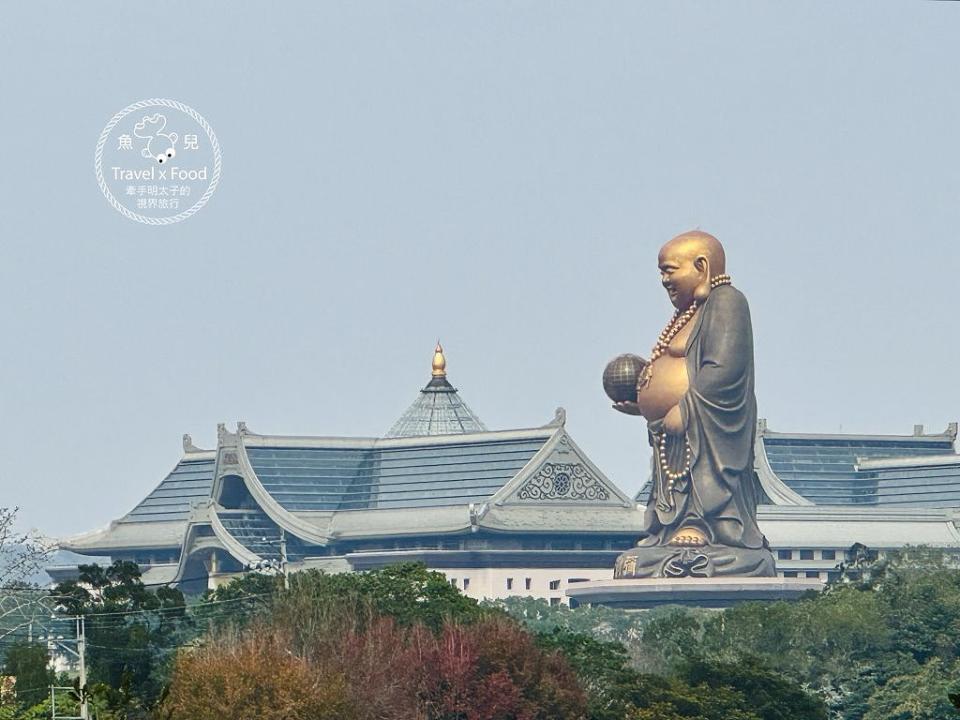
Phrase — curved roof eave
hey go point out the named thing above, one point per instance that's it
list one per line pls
(273, 509)
(221, 540)
(119, 536)
(240, 552)
(775, 488)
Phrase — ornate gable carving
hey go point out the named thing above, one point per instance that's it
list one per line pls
(561, 475)
(563, 482)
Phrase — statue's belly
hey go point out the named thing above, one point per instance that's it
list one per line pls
(668, 385)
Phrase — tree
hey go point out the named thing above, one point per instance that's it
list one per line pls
(511, 676)
(602, 669)
(601, 622)
(771, 695)
(408, 593)
(252, 586)
(132, 631)
(668, 698)
(399, 642)
(29, 663)
(922, 695)
(22, 554)
(253, 676)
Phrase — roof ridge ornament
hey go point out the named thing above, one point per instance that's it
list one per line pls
(559, 418)
(188, 446)
(439, 365)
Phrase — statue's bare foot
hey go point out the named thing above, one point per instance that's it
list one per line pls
(689, 537)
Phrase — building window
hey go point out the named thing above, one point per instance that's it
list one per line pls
(829, 554)
(526, 582)
(554, 584)
(466, 583)
(509, 583)
(453, 581)
(833, 577)
(554, 601)
(812, 574)
(784, 554)
(790, 573)
(806, 554)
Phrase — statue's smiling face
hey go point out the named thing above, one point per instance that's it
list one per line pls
(682, 269)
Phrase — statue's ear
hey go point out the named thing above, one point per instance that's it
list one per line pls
(702, 264)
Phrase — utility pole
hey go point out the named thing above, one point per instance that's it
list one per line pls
(81, 655)
(283, 559)
(82, 652)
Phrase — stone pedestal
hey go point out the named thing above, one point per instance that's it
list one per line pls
(707, 592)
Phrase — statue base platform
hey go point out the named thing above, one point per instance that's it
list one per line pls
(705, 592)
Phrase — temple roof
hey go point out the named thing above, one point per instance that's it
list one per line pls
(438, 410)
(392, 473)
(189, 482)
(918, 470)
(840, 469)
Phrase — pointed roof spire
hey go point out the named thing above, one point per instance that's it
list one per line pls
(438, 410)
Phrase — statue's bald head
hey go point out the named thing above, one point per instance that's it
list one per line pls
(692, 243)
(687, 265)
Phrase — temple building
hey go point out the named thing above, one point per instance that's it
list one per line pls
(501, 512)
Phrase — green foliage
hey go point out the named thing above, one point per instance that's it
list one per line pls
(921, 695)
(40, 711)
(883, 643)
(29, 664)
(132, 632)
(252, 586)
(771, 695)
(658, 697)
(408, 593)
(697, 688)
(602, 669)
(603, 623)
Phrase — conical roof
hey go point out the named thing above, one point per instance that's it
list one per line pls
(438, 410)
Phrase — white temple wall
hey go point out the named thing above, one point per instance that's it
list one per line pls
(548, 584)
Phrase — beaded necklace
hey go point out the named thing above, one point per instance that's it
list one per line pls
(672, 329)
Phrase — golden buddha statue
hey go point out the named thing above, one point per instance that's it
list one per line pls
(696, 393)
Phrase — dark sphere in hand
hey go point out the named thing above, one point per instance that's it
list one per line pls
(620, 377)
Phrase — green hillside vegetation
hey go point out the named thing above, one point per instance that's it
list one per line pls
(403, 643)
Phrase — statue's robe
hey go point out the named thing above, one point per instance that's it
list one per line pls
(719, 496)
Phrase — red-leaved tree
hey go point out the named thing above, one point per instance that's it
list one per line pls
(369, 668)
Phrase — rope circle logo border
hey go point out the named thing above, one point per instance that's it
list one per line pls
(157, 102)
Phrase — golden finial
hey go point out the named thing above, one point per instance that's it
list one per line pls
(439, 362)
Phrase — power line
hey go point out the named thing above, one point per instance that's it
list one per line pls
(191, 608)
(168, 583)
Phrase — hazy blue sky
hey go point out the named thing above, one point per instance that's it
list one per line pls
(500, 175)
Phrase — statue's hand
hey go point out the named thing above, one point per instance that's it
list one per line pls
(628, 408)
(673, 421)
